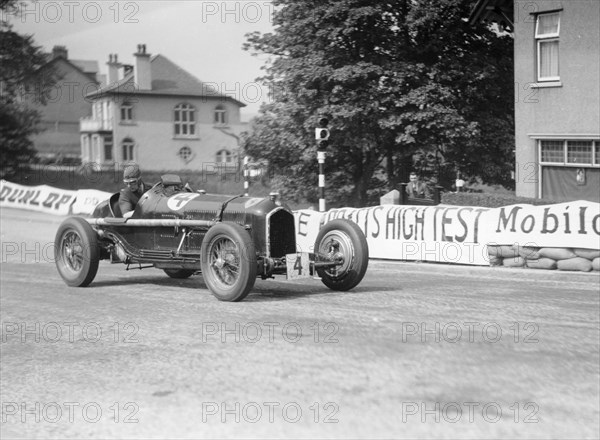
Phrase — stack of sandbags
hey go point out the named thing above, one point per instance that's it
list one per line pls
(582, 260)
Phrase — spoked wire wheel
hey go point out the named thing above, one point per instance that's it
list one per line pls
(337, 246)
(228, 261)
(76, 252)
(224, 261)
(343, 242)
(72, 250)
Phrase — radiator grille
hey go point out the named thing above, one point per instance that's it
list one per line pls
(282, 236)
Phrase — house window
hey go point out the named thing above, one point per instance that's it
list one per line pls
(108, 148)
(553, 151)
(224, 156)
(126, 112)
(547, 30)
(566, 152)
(97, 110)
(579, 152)
(185, 120)
(220, 116)
(185, 153)
(128, 150)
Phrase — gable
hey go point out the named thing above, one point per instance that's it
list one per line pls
(168, 79)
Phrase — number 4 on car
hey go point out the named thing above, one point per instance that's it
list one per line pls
(230, 240)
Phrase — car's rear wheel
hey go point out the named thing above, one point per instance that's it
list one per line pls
(179, 273)
(342, 241)
(76, 252)
(228, 261)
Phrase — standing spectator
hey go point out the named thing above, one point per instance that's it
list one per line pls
(417, 189)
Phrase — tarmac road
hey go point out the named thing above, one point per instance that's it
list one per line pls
(416, 351)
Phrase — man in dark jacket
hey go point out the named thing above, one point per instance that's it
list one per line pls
(416, 189)
(135, 188)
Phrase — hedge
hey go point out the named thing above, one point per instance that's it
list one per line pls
(490, 200)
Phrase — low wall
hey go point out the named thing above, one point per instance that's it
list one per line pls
(564, 236)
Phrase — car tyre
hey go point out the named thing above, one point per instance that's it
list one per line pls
(228, 261)
(342, 240)
(76, 252)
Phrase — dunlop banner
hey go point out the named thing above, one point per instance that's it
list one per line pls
(41, 198)
(87, 199)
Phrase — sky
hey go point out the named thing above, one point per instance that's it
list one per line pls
(203, 37)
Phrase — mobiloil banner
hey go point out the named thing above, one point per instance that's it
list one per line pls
(454, 234)
(572, 225)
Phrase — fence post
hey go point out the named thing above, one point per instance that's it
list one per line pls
(403, 194)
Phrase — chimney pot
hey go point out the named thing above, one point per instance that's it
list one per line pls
(60, 51)
(113, 68)
(142, 72)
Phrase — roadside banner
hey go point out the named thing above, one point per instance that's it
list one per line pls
(571, 225)
(450, 234)
(455, 234)
(41, 198)
(87, 199)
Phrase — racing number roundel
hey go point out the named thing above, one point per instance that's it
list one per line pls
(178, 201)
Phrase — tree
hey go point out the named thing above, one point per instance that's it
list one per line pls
(395, 78)
(20, 62)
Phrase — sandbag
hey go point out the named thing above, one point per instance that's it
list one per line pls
(590, 254)
(514, 262)
(596, 264)
(557, 253)
(577, 263)
(528, 252)
(495, 261)
(504, 251)
(541, 263)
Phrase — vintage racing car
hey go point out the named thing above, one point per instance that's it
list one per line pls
(232, 240)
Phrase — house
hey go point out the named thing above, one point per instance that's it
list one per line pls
(557, 94)
(65, 104)
(160, 116)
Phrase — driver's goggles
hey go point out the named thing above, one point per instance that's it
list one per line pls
(130, 181)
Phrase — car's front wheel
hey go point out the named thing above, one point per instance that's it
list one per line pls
(228, 261)
(344, 242)
(76, 252)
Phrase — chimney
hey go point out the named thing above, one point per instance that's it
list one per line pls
(60, 51)
(113, 68)
(141, 72)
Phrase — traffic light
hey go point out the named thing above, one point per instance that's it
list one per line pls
(322, 134)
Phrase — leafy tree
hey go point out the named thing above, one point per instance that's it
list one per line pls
(20, 62)
(397, 79)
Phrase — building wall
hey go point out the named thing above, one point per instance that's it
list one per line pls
(65, 106)
(152, 131)
(570, 110)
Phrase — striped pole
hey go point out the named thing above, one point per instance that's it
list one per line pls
(246, 177)
(321, 159)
